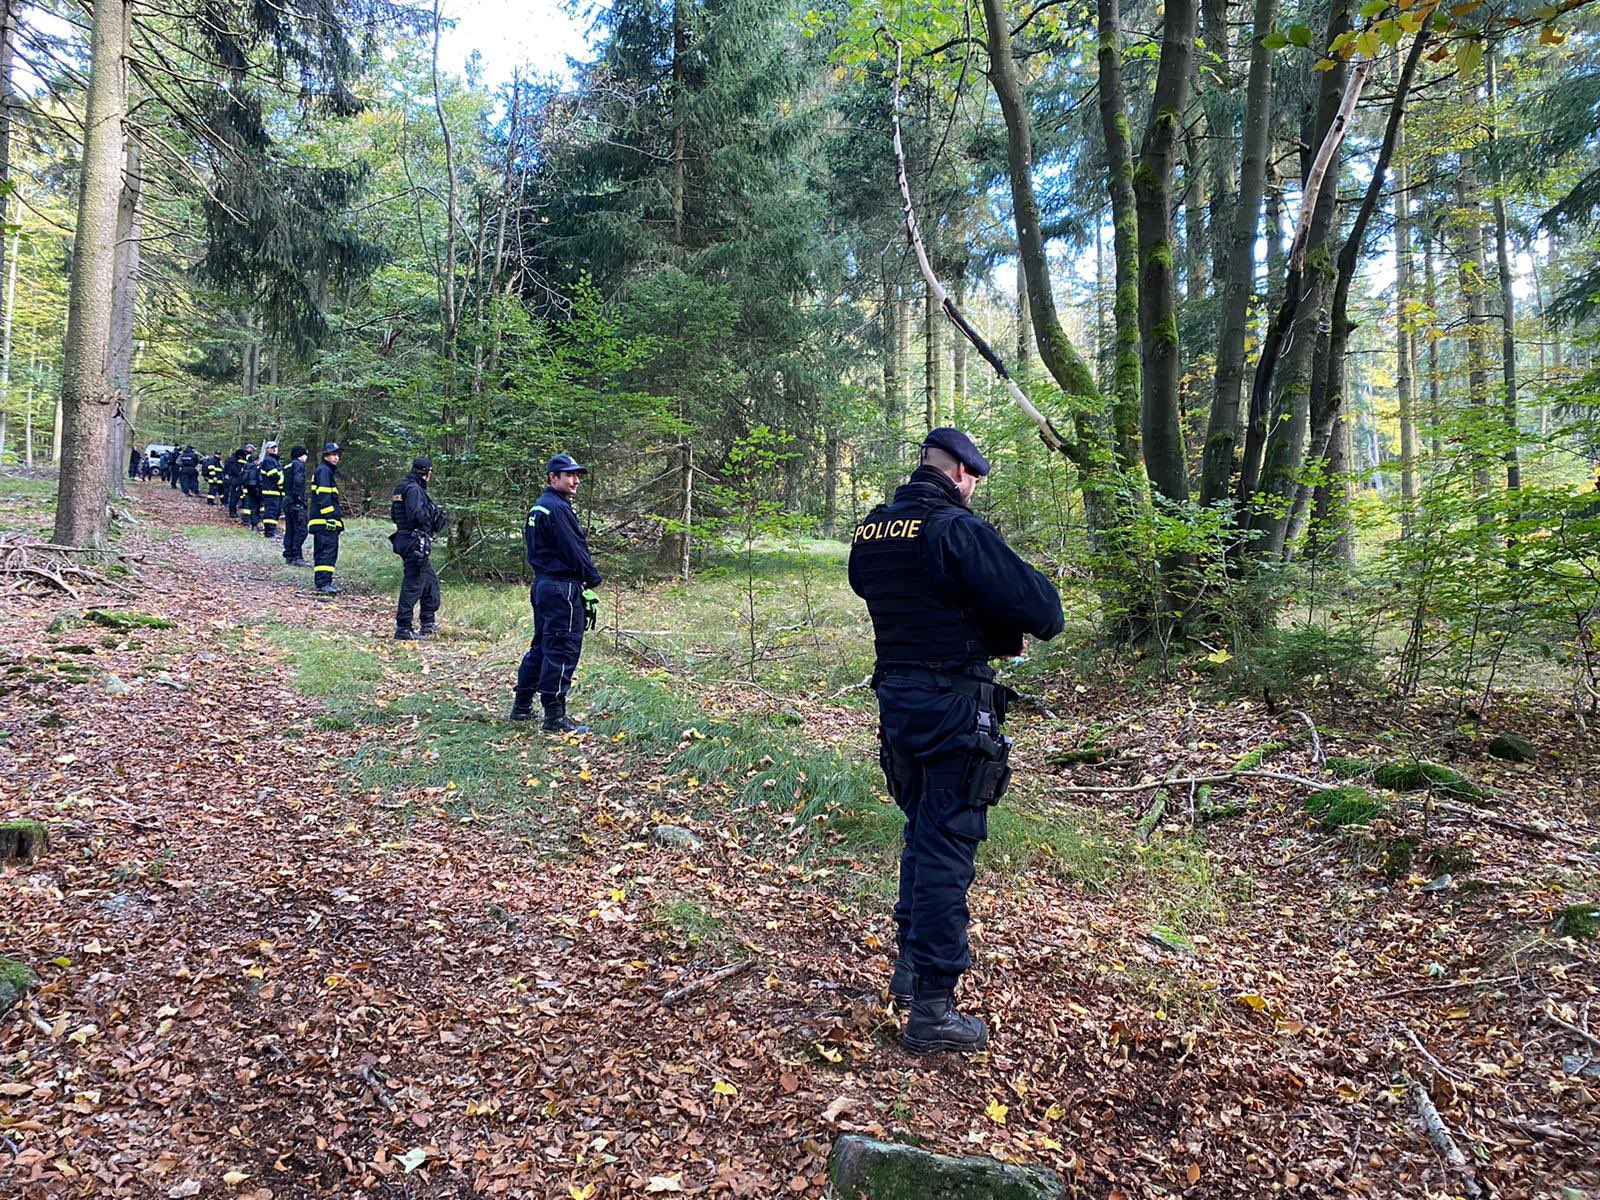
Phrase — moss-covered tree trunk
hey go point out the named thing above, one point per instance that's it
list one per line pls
(1126, 374)
(1237, 286)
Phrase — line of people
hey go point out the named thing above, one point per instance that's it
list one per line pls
(286, 501)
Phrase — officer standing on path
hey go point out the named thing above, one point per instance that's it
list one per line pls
(211, 477)
(187, 463)
(416, 519)
(563, 602)
(271, 490)
(294, 508)
(945, 594)
(250, 489)
(327, 520)
(232, 480)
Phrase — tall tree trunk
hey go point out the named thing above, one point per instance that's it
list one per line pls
(1238, 285)
(1430, 301)
(1472, 278)
(8, 37)
(1508, 304)
(680, 127)
(1162, 424)
(1405, 339)
(932, 358)
(958, 356)
(1126, 368)
(1056, 351)
(1223, 136)
(87, 401)
(1024, 324)
(1196, 249)
(892, 416)
(124, 313)
(1328, 394)
(830, 481)
(10, 315)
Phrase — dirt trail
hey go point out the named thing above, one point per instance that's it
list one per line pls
(259, 980)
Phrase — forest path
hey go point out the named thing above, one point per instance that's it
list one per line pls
(266, 974)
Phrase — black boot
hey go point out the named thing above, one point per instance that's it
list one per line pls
(428, 629)
(405, 635)
(902, 984)
(556, 719)
(935, 1025)
(521, 706)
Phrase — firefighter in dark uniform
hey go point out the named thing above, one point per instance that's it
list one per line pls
(211, 476)
(416, 520)
(232, 479)
(946, 594)
(294, 508)
(249, 489)
(564, 603)
(327, 520)
(271, 490)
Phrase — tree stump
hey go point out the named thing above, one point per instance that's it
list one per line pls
(23, 841)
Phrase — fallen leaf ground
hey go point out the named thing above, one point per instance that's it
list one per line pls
(264, 974)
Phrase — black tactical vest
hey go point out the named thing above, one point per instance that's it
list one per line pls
(915, 621)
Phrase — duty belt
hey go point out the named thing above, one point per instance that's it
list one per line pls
(981, 690)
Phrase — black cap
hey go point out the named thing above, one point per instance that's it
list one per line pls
(959, 446)
(422, 463)
(297, 451)
(330, 447)
(565, 462)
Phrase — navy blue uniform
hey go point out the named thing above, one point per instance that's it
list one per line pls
(232, 481)
(946, 594)
(187, 465)
(211, 476)
(416, 519)
(294, 511)
(562, 569)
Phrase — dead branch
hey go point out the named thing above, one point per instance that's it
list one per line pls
(707, 981)
(1317, 755)
(1577, 1031)
(1219, 777)
(1439, 1134)
(1047, 431)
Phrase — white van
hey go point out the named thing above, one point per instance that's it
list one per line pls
(153, 455)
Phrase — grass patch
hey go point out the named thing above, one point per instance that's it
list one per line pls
(1578, 921)
(1343, 806)
(696, 925)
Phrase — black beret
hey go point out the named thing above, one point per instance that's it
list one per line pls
(959, 446)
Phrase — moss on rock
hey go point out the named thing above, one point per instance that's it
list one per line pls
(15, 982)
(1512, 748)
(1415, 776)
(865, 1169)
(23, 840)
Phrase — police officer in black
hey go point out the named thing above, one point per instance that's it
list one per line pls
(187, 464)
(946, 594)
(564, 603)
(416, 519)
(294, 508)
(327, 520)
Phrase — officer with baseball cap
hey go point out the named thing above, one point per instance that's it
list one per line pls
(946, 594)
(564, 603)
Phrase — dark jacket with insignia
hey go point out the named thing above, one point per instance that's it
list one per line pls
(944, 590)
(554, 541)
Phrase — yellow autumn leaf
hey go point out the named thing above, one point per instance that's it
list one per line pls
(1252, 1000)
(1219, 656)
(618, 895)
(584, 776)
(828, 1052)
(1055, 1112)
(1049, 1143)
(235, 1177)
(580, 1193)
(996, 1112)
(723, 1088)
